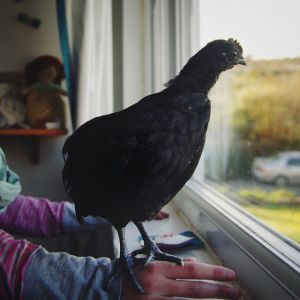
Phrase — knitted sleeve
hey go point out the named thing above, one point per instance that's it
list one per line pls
(15, 255)
(29, 272)
(62, 276)
(41, 217)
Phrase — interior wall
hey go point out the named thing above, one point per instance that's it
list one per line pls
(20, 43)
(133, 56)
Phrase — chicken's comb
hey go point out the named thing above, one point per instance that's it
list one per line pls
(231, 40)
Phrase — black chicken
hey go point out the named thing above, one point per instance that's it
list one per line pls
(127, 165)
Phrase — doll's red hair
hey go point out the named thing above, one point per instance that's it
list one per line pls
(40, 63)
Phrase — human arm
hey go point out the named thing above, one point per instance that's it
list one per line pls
(28, 271)
(41, 217)
(159, 280)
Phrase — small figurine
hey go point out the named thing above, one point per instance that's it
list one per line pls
(43, 93)
(12, 108)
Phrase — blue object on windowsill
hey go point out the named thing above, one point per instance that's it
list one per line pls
(180, 241)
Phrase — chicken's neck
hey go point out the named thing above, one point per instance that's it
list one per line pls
(201, 82)
(205, 81)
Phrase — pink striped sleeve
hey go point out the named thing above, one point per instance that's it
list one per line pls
(15, 256)
(33, 216)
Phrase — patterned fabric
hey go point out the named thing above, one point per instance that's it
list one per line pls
(15, 256)
(10, 185)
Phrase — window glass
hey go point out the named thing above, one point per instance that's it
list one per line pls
(294, 162)
(252, 152)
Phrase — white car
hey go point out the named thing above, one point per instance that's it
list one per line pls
(280, 169)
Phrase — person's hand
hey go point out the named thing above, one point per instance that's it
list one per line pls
(159, 282)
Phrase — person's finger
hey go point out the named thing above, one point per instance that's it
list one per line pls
(198, 289)
(193, 270)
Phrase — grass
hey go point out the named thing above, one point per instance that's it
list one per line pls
(283, 218)
(278, 207)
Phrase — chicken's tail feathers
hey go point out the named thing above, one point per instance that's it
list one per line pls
(65, 149)
(67, 178)
(80, 219)
(81, 212)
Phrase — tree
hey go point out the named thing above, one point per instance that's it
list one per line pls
(267, 105)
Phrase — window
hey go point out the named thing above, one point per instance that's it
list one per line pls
(294, 162)
(254, 134)
(243, 198)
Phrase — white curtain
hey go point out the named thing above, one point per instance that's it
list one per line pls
(90, 28)
(159, 36)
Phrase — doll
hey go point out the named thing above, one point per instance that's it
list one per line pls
(43, 93)
(12, 108)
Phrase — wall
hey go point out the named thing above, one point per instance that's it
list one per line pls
(134, 55)
(19, 44)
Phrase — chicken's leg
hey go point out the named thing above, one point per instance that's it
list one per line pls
(125, 263)
(151, 250)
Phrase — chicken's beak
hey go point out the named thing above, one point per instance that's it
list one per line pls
(241, 61)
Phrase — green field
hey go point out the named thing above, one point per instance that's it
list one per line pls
(283, 218)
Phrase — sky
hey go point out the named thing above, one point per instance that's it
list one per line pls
(265, 28)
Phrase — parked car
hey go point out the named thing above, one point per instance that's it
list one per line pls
(280, 169)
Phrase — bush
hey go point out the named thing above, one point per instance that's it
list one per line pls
(277, 196)
(282, 196)
(267, 97)
(254, 195)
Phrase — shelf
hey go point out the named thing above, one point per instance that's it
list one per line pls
(33, 132)
(33, 137)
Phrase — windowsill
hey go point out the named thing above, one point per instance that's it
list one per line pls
(266, 265)
(176, 223)
(173, 224)
(234, 239)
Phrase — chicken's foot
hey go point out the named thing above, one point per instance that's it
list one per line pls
(125, 263)
(151, 250)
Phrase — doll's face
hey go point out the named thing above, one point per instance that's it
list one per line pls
(48, 75)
